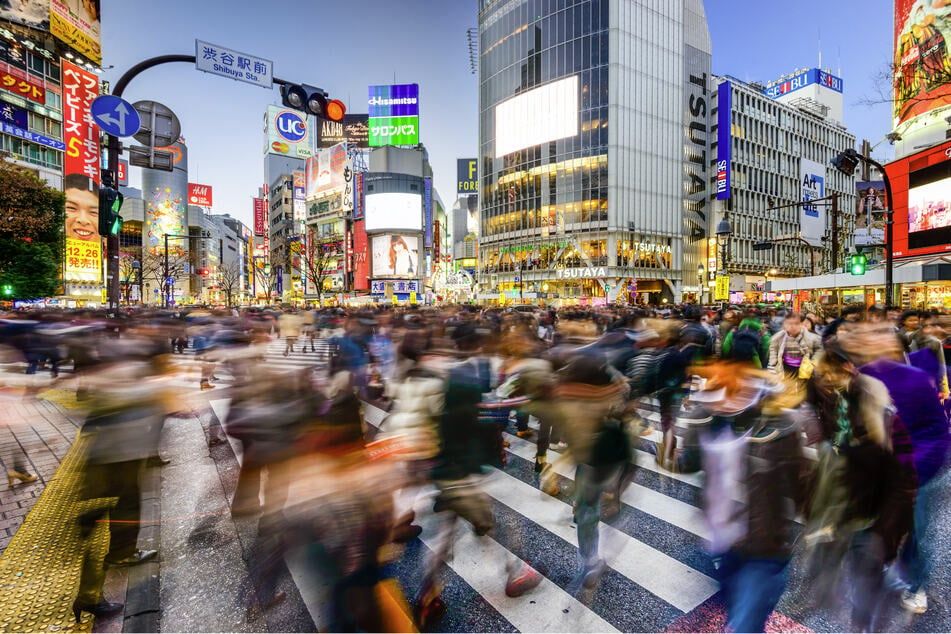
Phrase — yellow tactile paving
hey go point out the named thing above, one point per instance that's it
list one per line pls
(40, 569)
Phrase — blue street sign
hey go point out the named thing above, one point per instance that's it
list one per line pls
(170, 280)
(115, 115)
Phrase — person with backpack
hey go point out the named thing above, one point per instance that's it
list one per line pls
(744, 433)
(748, 342)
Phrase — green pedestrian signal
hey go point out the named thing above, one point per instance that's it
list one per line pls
(857, 264)
(110, 202)
(7, 290)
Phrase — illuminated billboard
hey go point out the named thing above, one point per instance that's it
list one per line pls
(354, 130)
(518, 124)
(397, 211)
(325, 171)
(395, 255)
(32, 13)
(287, 133)
(77, 25)
(467, 176)
(921, 189)
(393, 117)
(922, 66)
(199, 195)
(812, 218)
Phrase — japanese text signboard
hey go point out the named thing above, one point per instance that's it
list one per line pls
(77, 25)
(80, 134)
(22, 87)
(260, 217)
(219, 60)
(83, 260)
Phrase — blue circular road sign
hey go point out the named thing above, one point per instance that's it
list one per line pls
(115, 115)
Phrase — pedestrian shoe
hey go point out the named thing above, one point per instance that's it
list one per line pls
(98, 610)
(548, 480)
(205, 385)
(524, 579)
(25, 478)
(540, 462)
(136, 558)
(592, 574)
(915, 602)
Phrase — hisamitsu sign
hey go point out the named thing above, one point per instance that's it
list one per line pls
(226, 62)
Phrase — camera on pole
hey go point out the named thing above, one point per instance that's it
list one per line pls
(312, 100)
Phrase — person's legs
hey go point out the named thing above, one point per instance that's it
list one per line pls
(917, 553)
(124, 518)
(753, 589)
(866, 560)
(587, 514)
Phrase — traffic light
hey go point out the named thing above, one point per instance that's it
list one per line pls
(7, 290)
(857, 263)
(312, 100)
(205, 272)
(110, 202)
(847, 161)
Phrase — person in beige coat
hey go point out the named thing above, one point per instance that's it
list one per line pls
(290, 326)
(788, 349)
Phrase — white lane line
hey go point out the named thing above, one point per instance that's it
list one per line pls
(658, 573)
(671, 510)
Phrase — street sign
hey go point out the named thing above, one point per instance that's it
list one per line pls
(159, 126)
(232, 64)
(150, 157)
(115, 115)
(722, 289)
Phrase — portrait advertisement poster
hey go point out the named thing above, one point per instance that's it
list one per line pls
(395, 255)
(922, 66)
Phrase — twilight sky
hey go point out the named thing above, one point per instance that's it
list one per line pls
(345, 46)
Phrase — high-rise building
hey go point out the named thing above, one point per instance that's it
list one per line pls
(771, 154)
(593, 148)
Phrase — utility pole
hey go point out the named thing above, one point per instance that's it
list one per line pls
(835, 232)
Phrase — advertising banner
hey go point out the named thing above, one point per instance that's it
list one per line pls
(428, 212)
(32, 13)
(325, 171)
(394, 131)
(300, 181)
(395, 255)
(467, 176)
(80, 134)
(287, 133)
(76, 24)
(722, 288)
(199, 195)
(869, 213)
(30, 136)
(724, 138)
(518, 120)
(922, 66)
(361, 262)
(260, 217)
(354, 130)
(84, 260)
(358, 203)
(22, 87)
(14, 115)
(348, 185)
(806, 78)
(812, 218)
(395, 211)
(393, 100)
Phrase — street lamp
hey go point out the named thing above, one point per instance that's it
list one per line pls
(846, 162)
(724, 231)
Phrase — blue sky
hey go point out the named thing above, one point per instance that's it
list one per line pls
(345, 46)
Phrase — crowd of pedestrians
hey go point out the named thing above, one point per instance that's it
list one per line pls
(827, 435)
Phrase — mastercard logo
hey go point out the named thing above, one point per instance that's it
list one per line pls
(277, 146)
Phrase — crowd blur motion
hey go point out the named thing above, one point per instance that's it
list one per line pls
(819, 438)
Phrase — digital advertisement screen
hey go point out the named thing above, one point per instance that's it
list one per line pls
(397, 211)
(518, 124)
(929, 206)
(395, 256)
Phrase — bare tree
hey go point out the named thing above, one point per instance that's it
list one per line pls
(229, 281)
(266, 278)
(319, 258)
(153, 268)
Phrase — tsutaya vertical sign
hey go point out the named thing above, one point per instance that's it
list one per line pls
(724, 136)
(812, 221)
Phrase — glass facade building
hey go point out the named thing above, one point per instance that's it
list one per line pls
(594, 148)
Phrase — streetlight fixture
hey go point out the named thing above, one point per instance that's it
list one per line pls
(846, 162)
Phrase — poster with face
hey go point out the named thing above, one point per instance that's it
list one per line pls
(395, 255)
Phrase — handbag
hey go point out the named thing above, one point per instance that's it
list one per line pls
(806, 368)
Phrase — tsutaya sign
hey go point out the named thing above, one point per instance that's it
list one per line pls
(582, 272)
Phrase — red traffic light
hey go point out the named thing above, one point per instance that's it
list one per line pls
(335, 110)
(205, 272)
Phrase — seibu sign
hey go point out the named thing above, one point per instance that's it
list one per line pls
(582, 272)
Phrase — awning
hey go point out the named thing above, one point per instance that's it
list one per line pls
(910, 272)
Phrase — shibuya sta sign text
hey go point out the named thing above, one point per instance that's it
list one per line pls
(582, 272)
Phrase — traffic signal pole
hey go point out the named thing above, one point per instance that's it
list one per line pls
(114, 148)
